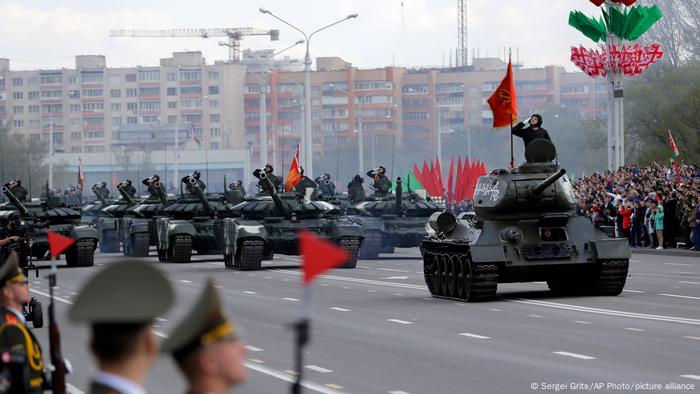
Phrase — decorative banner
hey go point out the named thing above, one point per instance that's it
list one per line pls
(625, 2)
(630, 60)
(595, 29)
(626, 24)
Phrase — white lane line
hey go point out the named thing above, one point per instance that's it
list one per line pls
(688, 283)
(634, 329)
(496, 310)
(575, 355)
(257, 361)
(49, 296)
(533, 315)
(396, 277)
(73, 390)
(470, 335)
(695, 377)
(334, 386)
(358, 280)
(161, 319)
(318, 369)
(346, 288)
(392, 270)
(259, 368)
(680, 296)
(634, 291)
(635, 261)
(253, 348)
(398, 294)
(289, 299)
(683, 272)
(185, 281)
(680, 264)
(581, 322)
(398, 392)
(250, 292)
(339, 309)
(696, 338)
(399, 321)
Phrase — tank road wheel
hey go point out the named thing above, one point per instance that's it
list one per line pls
(180, 250)
(352, 246)
(459, 275)
(36, 313)
(428, 267)
(109, 242)
(140, 244)
(610, 277)
(81, 254)
(371, 245)
(452, 263)
(444, 271)
(249, 255)
(437, 262)
(481, 281)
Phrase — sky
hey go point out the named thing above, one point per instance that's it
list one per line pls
(42, 34)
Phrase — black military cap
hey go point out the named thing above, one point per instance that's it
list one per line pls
(10, 273)
(124, 292)
(205, 324)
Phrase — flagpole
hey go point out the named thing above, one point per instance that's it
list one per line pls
(302, 329)
(512, 158)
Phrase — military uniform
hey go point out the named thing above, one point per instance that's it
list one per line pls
(356, 192)
(325, 186)
(18, 342)
(276, 182)
(18, 190)
(305, 183)
(381, 184)
(130, 190)
(188, 186)
(103, 191)
(123, 300)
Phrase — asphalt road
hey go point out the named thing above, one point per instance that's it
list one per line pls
(377, 330)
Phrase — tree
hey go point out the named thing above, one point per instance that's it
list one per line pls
(20, 158)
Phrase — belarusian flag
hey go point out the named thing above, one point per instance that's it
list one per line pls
(673, 145)
(294, 175)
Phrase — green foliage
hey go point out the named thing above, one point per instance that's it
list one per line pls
(21, 159)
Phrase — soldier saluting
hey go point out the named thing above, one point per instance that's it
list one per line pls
(276, 182)
(325, 186)
(195, 175)
(531, 133)
(17, 189)
(128, 187)
(381, 184)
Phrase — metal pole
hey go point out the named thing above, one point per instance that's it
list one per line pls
(308, 137)
(438, 144)
(469, 141)
(177, 152)
(361, 141)
(263, 119)
(51, 152)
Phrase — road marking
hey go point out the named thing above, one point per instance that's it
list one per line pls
(634, 329)
(371, 291)
(575, 355)
(688, 283)
(73, 390)
(696, 338)
(73, 293)
(683, 272)
(257, 361)
(680, 264)
(398, 294)
(259, 368)
(49, 296)
(334, 386)
(392, 270)
(466, 334)
(634, 291)
(398, 392)
(160, 319)
(185, 281)
(346, 288)
(36, 282)
(268, 277)
(339, 309)
(399, 321)
(496, 310)
(358, 280)
(318, 369)
(428, 298)
(680, 296)
(250, 292)
(253, 348)
(696, 377)
(289, 371)
(324, 284)
(535, 315)
(290, 299)
(581, 322)
(396, 277)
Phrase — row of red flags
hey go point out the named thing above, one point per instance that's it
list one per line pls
(459, 187)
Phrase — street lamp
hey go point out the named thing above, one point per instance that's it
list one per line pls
(308, 138)
(360, 131)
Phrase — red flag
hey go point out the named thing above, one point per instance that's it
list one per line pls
(458, 181)
(438, 178)
(81, 176)
(319, 255)
(466, 180)
(115, 179)
(58, 243)
(294, 174)
(449, 179)
(427, 175)
(503, 101)
(673, 145)
(420, 178)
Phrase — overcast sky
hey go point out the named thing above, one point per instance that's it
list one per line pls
(49, 33)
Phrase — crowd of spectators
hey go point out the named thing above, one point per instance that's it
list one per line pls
(652, 206)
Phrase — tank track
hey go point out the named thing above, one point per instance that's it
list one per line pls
(352, 246)
(611, 276)
(81, 254)
(140, 244)
(109, 242)
(181, 249)
(454, 276)
(369, 250)
(249, 256)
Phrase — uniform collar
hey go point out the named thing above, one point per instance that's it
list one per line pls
(20, 315)
(119, 383)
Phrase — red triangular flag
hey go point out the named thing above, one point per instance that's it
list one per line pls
(466, 179)
(319, 255)
(438, 178)
(449, 179)
(428, 184)
(58, 243)
(458, 181)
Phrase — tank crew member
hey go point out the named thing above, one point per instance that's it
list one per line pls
(325, 186)
(151, 183)
(531, 133)
(238, 186)
(11, 240)
(121, 323)
(17, 189)
(15, 338)
(207, 348)
(237, 193)
(196, 176)
(129, 188)
(381, 184)
(305, 183)
(276, 182)
(102, 189)
(356, 192)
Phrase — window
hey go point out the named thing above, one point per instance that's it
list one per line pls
(35, 137)
(375, 99)
(132, 120)
(213, 103)
(213, 90)
(192, 118)
(132, 92)
(116, 106)
(149, 75)
(114, 93)
(172, 119)
(75, 135)
(93, 107)
(415, 116)
(215, 132)
(154, 91)
(94, 134)
(91, 77)
(34, 95)
(75, 108)
(190, 103)
(130, 77)
(213, 75)
(214, 145)
(580, 88)
(115, 79)
(116, 121)
(190, 89)
(172, 91)
(51, 79)
(92, 92)
(132, 106)
(150, 119)
(17, 81)
(172, 76)
(18, 109)
(33, 109)
(290, 87)
(415, 103)
(17, 95)
(190, 75)
(19, 123)
(52, 108)
(75, 149)
(372, 85)
(449, 87)
(72, 79)
(172, 104)
(54, 93)
(414, 88)
(76, 121)
(74, 94)
(93, 121)
(335, 100)
(214, 118)
(149, 105)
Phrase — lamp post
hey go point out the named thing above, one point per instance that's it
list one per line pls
(360, 131)
(308, 138)
(301, 108)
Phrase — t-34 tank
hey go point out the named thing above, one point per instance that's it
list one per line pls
(269, 224)
(403, 217)
(524, 228)
(107, 223)
(49, 215)
(193, 222)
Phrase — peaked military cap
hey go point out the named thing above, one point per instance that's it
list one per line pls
(124, 292)
(205, 324)
(10, 272)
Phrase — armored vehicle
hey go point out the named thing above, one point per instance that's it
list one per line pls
(524, 228)
(49, 215)
(137, 227)
(107, 222)
(402, 219)
(193, 222)
(269, 224)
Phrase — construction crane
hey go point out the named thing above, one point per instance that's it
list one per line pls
(234, 34)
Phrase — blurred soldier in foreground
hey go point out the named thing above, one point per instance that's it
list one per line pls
(381, 184)
(17, 189)
(207, 348)
(21, 361)
(121, 303)
(276, 182)
(325, 186)
(356, 192)
(306, 183)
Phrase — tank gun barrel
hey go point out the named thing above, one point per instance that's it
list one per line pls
(538, 189)
(399, 195)
(99, 195)
(125, 195)
(270, 189)
(15, 201)
(194, 188)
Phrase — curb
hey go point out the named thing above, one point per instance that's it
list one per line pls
(666, 252)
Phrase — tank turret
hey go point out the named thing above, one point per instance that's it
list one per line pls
(194, 188)
(269, 188)
(125, 195)
(15, 201)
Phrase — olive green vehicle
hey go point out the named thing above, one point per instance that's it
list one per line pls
(137, 227)
(107, 223)
(192, 222)
(49, 215)
(269, 224)
(524, 229)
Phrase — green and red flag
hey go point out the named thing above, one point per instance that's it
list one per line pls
(673, 144)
